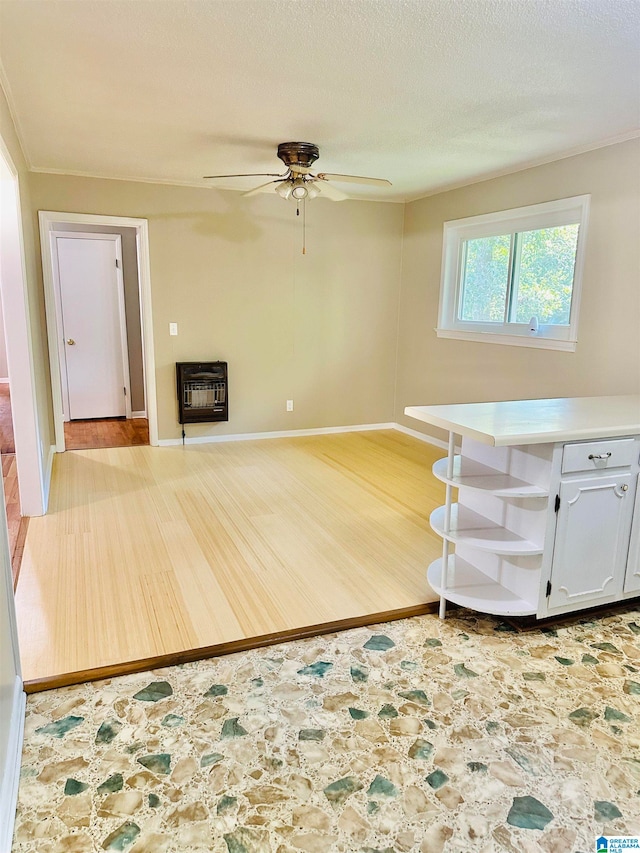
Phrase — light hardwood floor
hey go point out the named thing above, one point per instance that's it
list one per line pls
(148, 552)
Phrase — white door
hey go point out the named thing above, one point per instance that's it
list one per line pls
(92, 324)
(592, 538)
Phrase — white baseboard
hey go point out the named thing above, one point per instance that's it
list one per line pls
(430, 439)
(285, 433)
(138, 414)
(11, 772)
(46, 486)
(292, 433)
(4, 380)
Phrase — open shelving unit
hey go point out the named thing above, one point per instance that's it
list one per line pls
(470, 587)
(474, 475)
(493, 536)
(470, 528)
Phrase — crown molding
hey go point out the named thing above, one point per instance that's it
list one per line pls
(530, 164)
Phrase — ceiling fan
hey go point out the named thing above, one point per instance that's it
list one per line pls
(298, 182)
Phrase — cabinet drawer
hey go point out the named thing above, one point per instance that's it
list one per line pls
(598, 455)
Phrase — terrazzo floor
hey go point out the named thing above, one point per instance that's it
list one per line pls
(418, 735)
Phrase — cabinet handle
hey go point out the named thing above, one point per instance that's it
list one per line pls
(600, 455)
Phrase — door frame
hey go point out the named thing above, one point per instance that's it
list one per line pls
(48, 219)
(62, 352)
(34, 473)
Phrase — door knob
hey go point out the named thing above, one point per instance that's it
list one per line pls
(71, 342)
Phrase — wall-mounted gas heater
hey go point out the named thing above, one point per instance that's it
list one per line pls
(202, 391)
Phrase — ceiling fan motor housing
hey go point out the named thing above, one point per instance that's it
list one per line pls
(303, 154)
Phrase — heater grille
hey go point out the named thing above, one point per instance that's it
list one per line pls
(202, 391)
(204, 395)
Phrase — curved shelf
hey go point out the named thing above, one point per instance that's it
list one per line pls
(470, 528)
(475, 475)
(471, 588)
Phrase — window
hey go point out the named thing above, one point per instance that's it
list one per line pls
(514, 277)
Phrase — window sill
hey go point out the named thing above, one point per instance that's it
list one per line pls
(535, 342)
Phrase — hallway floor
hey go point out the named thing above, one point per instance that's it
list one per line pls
(106, 432)
(416, 736)
(16, 525)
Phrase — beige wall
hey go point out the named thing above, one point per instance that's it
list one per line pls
(131, 302)
(320, 329)
(435, 370)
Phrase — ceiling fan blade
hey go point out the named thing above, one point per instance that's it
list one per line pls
(249, 175)
(355, 179)
(325, 189)
(261, 189)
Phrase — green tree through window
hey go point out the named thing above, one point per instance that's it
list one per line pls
(545, 282)
(485, 279)
(517, 276)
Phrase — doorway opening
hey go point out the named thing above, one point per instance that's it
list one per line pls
(91, 433)
(16, 523)
(98, 305)
(8, 460)
(25, 463)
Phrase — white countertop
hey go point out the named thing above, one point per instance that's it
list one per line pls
(536, 421)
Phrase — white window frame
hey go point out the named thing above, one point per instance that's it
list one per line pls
(567, 211)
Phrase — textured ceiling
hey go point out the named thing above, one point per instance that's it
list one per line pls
(428, 93)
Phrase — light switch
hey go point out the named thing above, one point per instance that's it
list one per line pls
(173, 328)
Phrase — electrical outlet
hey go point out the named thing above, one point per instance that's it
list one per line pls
(289, 405)
(173, 328)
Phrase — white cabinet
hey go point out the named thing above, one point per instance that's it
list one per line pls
(591, 541)
(632, 578)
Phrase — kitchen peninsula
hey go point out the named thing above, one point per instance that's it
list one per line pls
(547, 519)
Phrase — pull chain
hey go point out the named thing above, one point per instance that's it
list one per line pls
(304, 223)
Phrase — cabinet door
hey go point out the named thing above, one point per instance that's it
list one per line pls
(592, 541)
(632, 580)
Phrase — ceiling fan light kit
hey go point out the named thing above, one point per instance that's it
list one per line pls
(284, 189)
(299, 191)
